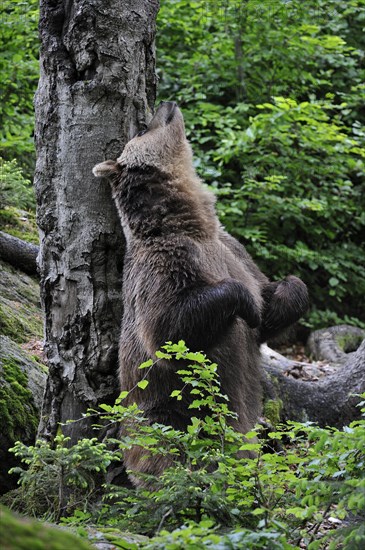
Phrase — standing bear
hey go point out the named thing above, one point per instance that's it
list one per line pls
(185, 278)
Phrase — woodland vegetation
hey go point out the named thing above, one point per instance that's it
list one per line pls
(273, 96)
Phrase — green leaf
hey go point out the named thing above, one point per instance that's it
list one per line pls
(163, 355)
(146, 364)
(121, 396)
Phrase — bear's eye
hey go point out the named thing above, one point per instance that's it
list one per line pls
(141, 133)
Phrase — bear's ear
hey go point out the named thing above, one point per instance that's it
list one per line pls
(106, 168)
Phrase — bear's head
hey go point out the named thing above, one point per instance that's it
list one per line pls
(154, 184)
(162, 145)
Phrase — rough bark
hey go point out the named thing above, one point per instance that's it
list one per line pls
(18, 253)
(334, 343)
(329, 400)
(97, 83)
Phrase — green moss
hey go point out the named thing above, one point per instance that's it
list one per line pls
(41, 365)
(17, 286)
(20, 321)
(272, 410)
(120, 538)
(18, 414)
(24, 534)
(20, 313)
(349, 342)
(19, 223)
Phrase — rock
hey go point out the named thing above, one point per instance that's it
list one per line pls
(22, 373)
(22, 383)
(20, 314)
(22, 533)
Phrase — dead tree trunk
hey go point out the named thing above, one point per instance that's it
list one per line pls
(18, 253)
(97, 83)
(326, 391)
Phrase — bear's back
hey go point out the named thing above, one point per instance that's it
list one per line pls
(156, 275)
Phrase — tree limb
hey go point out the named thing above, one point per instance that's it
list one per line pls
(18, 253)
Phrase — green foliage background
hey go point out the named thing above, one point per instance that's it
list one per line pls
(19, 76)
(273, 95)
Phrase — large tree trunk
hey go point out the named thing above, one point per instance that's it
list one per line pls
(97, 83)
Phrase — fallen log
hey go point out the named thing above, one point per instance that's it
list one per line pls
(18, 253)
(330, 399)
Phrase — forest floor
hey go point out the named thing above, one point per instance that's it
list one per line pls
(307, 369)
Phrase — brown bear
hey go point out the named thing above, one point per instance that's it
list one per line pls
(185, 278)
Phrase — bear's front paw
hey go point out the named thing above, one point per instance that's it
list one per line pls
(284, 303)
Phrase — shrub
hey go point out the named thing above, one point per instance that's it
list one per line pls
(58, 476)
(15, 189)
(17, 202)
(212, 496)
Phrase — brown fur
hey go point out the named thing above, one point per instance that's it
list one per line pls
(186, 278)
